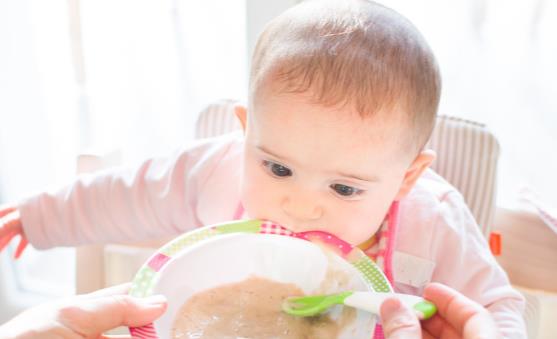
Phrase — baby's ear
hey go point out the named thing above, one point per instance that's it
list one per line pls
(241, 113)
(413, 173)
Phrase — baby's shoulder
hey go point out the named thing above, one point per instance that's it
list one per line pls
(218, 195)
(225, 154)
(432, 186)
(434, 203)
(434, 213)
(200, 159)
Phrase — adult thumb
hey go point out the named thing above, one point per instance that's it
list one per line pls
(96, 315)
(398, 321)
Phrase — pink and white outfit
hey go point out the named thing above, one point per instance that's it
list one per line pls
(428, 236)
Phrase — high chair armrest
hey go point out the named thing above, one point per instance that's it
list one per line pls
(529, 249)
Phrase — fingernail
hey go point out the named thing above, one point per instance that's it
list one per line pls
(157, 299)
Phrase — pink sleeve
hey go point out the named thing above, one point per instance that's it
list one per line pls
(155, 200)
(464, 262)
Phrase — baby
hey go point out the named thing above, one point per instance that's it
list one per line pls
(343, 97)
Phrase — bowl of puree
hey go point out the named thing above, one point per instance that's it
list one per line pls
(229, 281)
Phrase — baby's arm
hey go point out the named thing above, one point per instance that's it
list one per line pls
(464, 262)
(155, 200)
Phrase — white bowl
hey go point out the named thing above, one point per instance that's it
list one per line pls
(217, 255)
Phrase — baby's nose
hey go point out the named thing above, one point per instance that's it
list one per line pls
(301, 211)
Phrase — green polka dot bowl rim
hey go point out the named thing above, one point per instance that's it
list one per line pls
(230, 252)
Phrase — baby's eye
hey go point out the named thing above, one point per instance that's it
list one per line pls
(345, 191)
(277, 170)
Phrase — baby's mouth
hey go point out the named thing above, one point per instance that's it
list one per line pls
(317, 235)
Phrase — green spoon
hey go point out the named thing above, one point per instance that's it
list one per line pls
(368, 301)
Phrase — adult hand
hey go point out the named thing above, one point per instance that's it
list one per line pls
(85, 316)
(457, 317)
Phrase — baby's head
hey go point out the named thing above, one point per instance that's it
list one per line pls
(343, 98)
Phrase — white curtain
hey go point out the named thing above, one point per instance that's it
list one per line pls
(37, 136)
(151, 65)
(498, 64)
(102, 75)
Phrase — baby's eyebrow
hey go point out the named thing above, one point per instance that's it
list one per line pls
(359, 177)
(266, 150)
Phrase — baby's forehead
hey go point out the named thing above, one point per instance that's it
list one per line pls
(297, 116)
(386, 116)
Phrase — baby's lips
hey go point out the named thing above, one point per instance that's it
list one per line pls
(329, 239)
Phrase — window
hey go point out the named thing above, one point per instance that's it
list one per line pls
(103, 75)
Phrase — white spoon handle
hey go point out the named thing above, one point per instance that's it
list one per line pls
(371, 301)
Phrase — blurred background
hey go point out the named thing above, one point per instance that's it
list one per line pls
(80, 76)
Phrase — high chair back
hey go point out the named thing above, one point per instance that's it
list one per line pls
(467, 154)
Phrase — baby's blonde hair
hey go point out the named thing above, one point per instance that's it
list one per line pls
(351, 52)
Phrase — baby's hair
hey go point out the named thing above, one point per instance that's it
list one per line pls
(352, 52)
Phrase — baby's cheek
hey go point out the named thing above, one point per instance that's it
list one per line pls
(255, 197)
(248, 198)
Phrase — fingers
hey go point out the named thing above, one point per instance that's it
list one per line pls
(9, 219)
(10, 226)
(5, 239)
(121, 289)
(10, 222)
(21, 247)
(462, 314)
(4, 210)
(451, 305)
(93, 316)
(399, 321)
(437, 327)
(123, 310)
